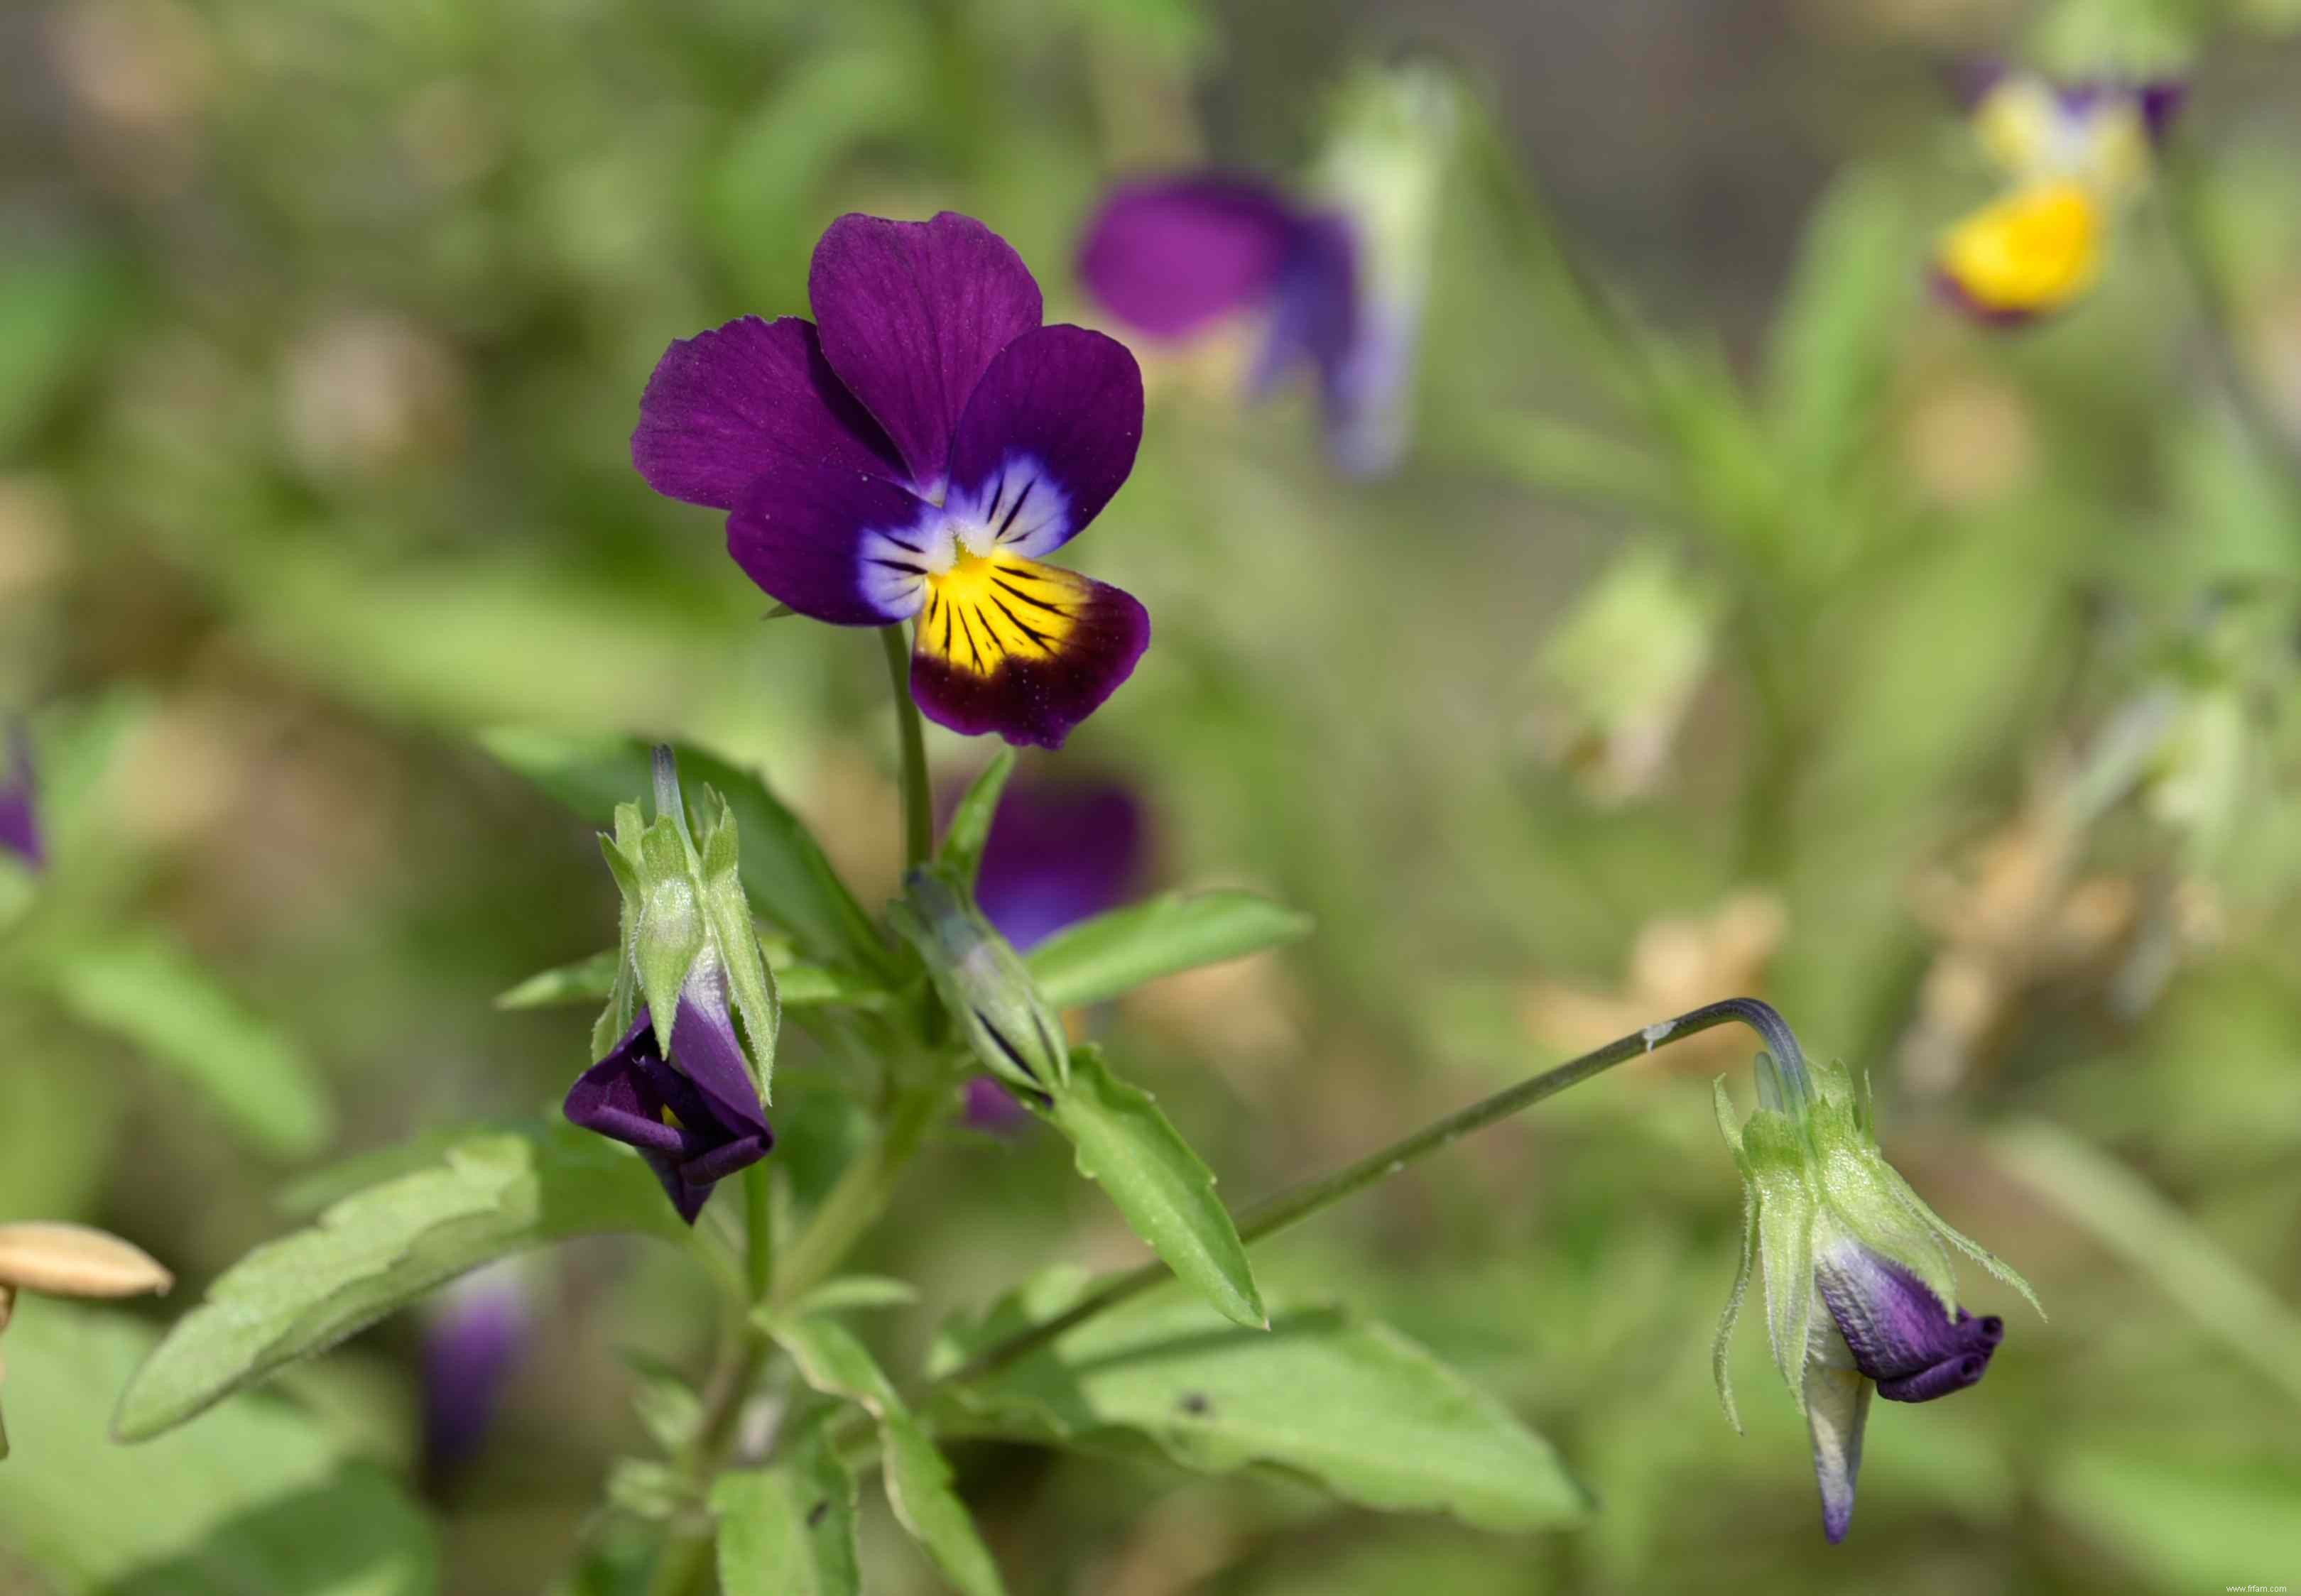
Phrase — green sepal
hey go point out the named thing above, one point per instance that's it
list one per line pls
(727, 915)
(670, 932)
(1774, 1166)
(982, 981)
(969, 829)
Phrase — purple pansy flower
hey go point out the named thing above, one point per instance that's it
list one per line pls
(1057, 854)
(470, 1347)
(696, 1118)
(1174, 257)
(913, 456)
(20, 826)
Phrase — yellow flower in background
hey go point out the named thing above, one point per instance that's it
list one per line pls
(2073, 153)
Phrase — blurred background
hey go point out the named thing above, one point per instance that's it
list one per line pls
(1799, 639)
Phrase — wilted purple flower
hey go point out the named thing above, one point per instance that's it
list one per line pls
(696, 1118)
(912, 457)
(470, 1345)
(20, 827)
(1058, 854)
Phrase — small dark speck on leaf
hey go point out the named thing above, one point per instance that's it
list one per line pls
(1195, 1403)
(815, 1514)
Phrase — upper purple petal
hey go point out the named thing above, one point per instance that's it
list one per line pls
(725, 404)
(704, 1045)
(1901, 1334)
(1169, 256)
(801, 533)
(1048, 435)
(1059, 854)
(911, 314)
(19, 824)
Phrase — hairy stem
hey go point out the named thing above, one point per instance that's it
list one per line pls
(918, 804)
(1275, 1214)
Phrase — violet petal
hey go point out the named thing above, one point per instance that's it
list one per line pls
(911, 314)
(800, 533)
(1037, 693)
(1057, 854)
(723, 405)
(1048, 435)
(1171, 255)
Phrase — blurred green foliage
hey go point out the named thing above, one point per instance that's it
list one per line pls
(322, 324)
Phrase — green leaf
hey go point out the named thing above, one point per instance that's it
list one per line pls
(1126, 1146)
(852, 1291)
(668, 1407)
(2161, 1245)
(381, 1249)
(1115, 952)
(147, 989)
(918, 1482)
(1352, 1404)
(586, 980)
(593, 980)
(788, 1530)
(259, 1498)
(785, 869)
(970, 823)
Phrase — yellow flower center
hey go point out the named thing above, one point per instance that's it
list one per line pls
(985, 608)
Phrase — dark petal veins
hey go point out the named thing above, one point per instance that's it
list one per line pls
(1028, 697)
(1048, 435)
(911, 314)
(803, 534)
(724, 404)
(1171, 255)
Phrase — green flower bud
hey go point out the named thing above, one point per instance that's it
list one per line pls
(982, 981)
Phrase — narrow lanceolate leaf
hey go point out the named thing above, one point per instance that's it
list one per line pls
(1348, 1402)
(1128, 1147)
(1114, 952)
(788, 1530)
(918, 1480)
(149, 991)
(970, 823)
(586, 980)
(381, 1250)
(790, 880)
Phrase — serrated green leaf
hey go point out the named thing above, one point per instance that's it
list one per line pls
(790, 879)
(1114, 952)
(849, 1292)
(1128, 1147)
(381, 1249)
(788, 1530)
(146, 989)
(918, 1482)
(586, 980)
(1350, 1403)
(970, 823)
(259, 1498)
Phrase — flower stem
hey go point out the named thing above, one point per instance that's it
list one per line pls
(1275, 1214)
(862, 1194)
(2184, 210)
(918, 810)
(759, 1232)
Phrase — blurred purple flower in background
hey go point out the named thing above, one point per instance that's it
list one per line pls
(20, 827)
(472, 1345)
(913, 457)
(1057, 853)
(696, 1118)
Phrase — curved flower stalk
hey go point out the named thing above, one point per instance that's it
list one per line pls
(674, 1080)
(2073, 153)
(1861, 1295)
(20, 821)
(70, 1260)
(914, 454)
(1336, 279)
